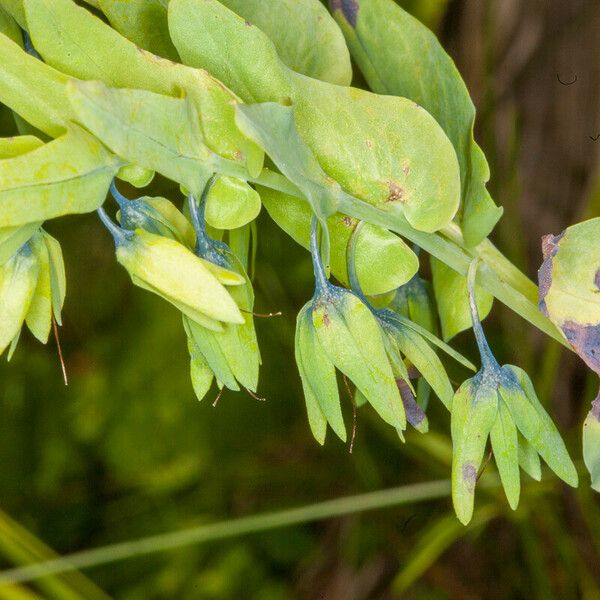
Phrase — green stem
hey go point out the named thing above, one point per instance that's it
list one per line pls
(497, 274)
(226, 529)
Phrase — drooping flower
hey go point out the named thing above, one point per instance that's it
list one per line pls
(337, 330)
(33, 285)
(167, 268)
(409, 344)
(231, 355)
(499, 401)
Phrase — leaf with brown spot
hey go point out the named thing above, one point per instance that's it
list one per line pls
(399, 56)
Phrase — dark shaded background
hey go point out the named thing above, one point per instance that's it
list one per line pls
(126, 451)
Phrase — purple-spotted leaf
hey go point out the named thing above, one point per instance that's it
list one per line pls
(569, 280)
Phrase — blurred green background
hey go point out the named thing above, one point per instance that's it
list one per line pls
(126, 451)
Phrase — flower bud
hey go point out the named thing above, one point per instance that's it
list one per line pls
(167, 268)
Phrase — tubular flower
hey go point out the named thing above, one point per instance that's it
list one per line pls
(167, 268)
(499, 402)
(336, 329)
(230, 355)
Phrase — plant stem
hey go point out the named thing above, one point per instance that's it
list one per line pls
(226, 529)
(497, 274)
(487, 358)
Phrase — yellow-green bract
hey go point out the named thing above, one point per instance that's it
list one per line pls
(170, 270)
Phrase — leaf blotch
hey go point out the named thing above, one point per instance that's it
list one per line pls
(585, 340)
(469, 473)
(349, 8)
(396, 193)
(414, 413)
(549, 249)
(326, 320)
(597, 279)
(595, 412)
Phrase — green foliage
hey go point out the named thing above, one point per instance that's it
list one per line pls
(400, 56)
(144, 22)
(269, 82)
(305, 36)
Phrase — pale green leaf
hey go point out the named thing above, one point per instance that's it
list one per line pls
(144, 22)
(307, 39)
(15, 9)
(68, 175)
(19, 144)
(272, 127)
(400, 56)
(210, 36)
(32, 89)
(384, 150)
(159, 132)
(76, 42)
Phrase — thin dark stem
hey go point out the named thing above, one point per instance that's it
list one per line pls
(116, 194)
(60, 354)
(487, 358)
(320, 277)
(118, 234)
(197, 209)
